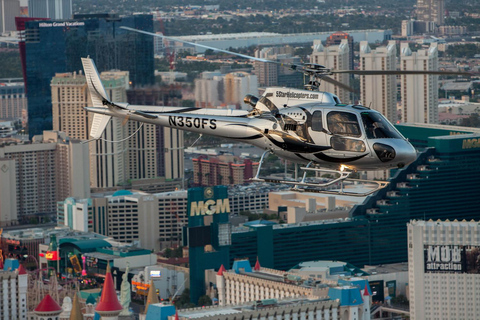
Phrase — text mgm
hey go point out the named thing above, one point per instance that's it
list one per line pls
(209, 207)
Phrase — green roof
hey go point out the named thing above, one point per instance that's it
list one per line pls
(88, 245)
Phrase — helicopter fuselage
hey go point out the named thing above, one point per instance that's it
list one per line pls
(330, 135)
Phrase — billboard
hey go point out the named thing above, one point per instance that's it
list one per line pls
(75, 263)
(377, 290)
(391, 288)
(452, 259)
(155, 273)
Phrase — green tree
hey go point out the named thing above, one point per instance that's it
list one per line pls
(204, 301)
(184, 300)
(10, 65)
(472, 121)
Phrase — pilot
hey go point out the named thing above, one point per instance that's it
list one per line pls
(377, 131)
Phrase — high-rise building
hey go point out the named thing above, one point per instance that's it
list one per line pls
(407, 28)
(336, 38)
(379, 92)
(209, 90)
(48, 170)
(162, 155)
(431, 10)
(237, 86)
(108, 160)
(53, 9)
(336, 58)
(270, 74)
(444, 269)
(13, 101)
(57, 46)
(9, 9)
(419, 93)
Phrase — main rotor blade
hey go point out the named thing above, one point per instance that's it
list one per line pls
(288, 65)
(337, 83)
(387, 72)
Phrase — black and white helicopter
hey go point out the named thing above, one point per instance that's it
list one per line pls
(303, 126)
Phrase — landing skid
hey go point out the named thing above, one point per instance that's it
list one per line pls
(325, 186)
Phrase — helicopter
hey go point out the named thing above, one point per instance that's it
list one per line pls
(304, 126)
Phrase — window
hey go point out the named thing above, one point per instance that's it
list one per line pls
(345, 144)
(317, 124)
(377, 127)
(343, 123)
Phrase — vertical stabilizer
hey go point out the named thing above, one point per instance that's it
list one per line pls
(98, 95)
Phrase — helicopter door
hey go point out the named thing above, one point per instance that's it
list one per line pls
(318, 133)
(346, 133)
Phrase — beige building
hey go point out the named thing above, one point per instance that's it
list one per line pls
(174, 153)
(48, 170)
(379, 92)
(69, 98)
(13, 100)
(444, 269)
(209, 90)
(287, 309)
(237, 288)
(431, 10)
(335, 58)
(237, 86)
(269, 289)
(270, 74)
(419, 93)
(114, 159)
(407, 28)
(154, 220)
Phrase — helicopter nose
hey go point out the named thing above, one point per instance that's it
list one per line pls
(397, 153)
(406, 154)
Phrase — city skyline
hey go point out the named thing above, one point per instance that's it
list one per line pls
(155, 223)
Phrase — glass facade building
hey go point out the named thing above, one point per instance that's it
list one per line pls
(56, 46)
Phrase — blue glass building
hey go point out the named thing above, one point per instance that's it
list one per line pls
(57, 46)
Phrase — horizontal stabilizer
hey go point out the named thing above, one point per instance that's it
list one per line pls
(99, 124)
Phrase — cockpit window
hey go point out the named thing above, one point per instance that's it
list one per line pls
(317, 121)
(377, 127)
(343, 123)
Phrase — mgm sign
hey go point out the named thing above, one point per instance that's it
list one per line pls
(452, 259)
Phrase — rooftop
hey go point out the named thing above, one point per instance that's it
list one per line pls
(210, 312)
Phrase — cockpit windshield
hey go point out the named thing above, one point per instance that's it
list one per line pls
(377, 127)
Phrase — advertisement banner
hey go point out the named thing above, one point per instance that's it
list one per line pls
(391, 288)
(76, 264)
(452, 259)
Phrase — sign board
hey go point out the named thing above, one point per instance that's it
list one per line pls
(452, 259)
(391, 288)
(377, 290)
(155, 274)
